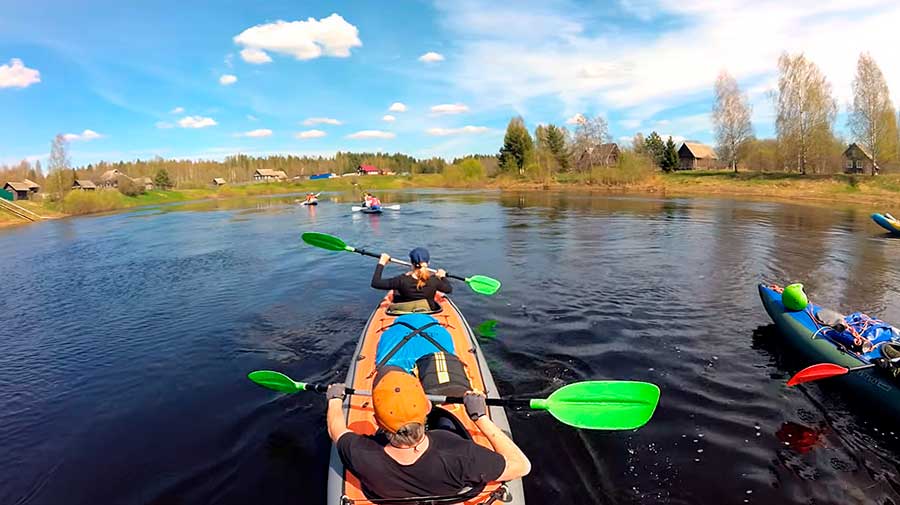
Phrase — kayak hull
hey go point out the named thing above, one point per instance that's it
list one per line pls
(798, 329)
(314, 202)
(343, 486)
(891, 225)
(369, 210)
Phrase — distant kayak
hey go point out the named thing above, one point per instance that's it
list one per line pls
(371, 210)
(888, 222)
(311, 202)
(374, 210)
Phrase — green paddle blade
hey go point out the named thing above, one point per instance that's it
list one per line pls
(325, 241)
(602, 405)
(483, 285)
(276, 381)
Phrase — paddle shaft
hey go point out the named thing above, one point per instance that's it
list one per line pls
(405, 263)
(870, 365)
(502, 402)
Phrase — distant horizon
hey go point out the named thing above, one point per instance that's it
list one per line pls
(429, 79)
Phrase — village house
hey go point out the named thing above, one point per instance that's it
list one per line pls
(603, 155)
(22, 190)
(144, 182)
(110, 178)
(269, 175)
(367, 170)
(84, 185)
(858, 161)
(694, 155)
(218, 181)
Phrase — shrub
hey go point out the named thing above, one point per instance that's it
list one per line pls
(87, 202)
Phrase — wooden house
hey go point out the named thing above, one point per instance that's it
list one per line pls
(367, 170)
(694, 155)
(218, 181)
(84, 185)
(603, 155)
(144, 182)
(110, 178)
(20, 190)
(269, 175)
(858, 161)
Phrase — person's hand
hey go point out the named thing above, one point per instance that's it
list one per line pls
(384, 259)
(337, 390)
(441, 273)
(475, 404)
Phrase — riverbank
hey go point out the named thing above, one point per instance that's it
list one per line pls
(870, 193)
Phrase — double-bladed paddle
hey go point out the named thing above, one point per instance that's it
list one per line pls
(826, 370)
(480, 284)
(591, 405)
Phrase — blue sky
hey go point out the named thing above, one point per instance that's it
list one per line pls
(207, 79)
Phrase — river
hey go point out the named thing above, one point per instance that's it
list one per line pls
(126, 339)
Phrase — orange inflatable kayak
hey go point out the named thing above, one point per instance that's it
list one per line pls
(343, 487)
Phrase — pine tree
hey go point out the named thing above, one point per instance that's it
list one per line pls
(555, 138)
(655, 147)
(162, 180)
(517, 146)
(670, 156)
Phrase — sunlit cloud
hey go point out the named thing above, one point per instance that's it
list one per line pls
(227, 80)
(196, 122)
(397, 107)
(84, 136)
(321, 120)
(310, 134)
(449, 108)
(304, 40)
(431, 57)
(443, 132)
(371, 134)
(16, 75)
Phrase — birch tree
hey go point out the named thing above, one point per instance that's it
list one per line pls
(731, 117)
(872, 120)
(805, 110)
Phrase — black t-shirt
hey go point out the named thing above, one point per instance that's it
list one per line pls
(450, 464)
(405, 289)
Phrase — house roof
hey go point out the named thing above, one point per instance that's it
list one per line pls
(861, 149)
(268, 172)
(219, 180)
(85, 184)
(31, 184)
(701, 151)
(18, 186)
(111, 175)
(368, 168)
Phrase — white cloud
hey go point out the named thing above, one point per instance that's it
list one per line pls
(388, 118)
(251, 117)
(443, 132)
(371, 134)
(397, 107)
(576, 119)
(227, 80)
(177, 110)
(304, 40)
(16, 75)
(310, 134)
(255, 56)
(431, 57)
(196, 122)
(262, 132)
(321, 120)
(84, 136)
(645, 71)
(449, 108)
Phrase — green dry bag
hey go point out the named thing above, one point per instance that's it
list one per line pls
(794, 298)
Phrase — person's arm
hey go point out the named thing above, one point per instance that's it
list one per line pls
(334, 419)
(517, 464)
(378, 282)
(443, 285)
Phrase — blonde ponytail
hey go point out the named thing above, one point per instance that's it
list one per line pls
(422, 275)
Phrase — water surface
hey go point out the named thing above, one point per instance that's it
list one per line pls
(127, 339)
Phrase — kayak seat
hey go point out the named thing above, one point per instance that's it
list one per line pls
(441, 419)
(413, 307)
